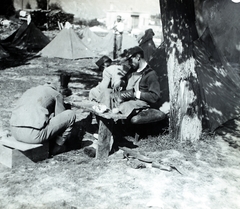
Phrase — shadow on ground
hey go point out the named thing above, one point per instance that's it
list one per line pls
(15, 60)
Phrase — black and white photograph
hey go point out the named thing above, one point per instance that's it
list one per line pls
(131, 104)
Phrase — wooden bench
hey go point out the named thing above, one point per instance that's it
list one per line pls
(14, 153)
(107, 119)
(105, 130)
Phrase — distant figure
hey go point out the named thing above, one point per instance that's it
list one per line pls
(147, 44)
(40, 115)
(118, 36)
(25, 16)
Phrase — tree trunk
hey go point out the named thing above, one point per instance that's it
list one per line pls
(179, 31)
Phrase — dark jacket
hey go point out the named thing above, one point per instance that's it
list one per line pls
(150, 87)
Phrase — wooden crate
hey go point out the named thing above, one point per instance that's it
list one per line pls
(14, 153)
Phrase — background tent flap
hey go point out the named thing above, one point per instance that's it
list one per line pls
(103, 45)
(28, 38)
(219, 86)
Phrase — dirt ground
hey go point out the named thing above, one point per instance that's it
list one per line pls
(208, 176)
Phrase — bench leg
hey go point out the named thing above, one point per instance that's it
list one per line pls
(136, 138)
(104, 138)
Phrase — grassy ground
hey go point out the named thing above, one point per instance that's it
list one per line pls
(209, 169)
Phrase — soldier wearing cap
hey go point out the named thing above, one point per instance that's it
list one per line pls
(111, 79)
(103, 62)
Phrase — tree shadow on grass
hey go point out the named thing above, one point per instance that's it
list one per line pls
(87, 80)
(14, 60)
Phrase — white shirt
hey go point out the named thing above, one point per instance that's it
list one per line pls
(118, 27)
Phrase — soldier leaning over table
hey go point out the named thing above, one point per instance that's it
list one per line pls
(40, 115)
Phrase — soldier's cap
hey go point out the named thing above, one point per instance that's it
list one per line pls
(133, 51)
(102, 60)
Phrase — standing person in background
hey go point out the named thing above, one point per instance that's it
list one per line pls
(147, 44)
(118, 36)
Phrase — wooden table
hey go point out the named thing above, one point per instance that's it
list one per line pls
(106, 122)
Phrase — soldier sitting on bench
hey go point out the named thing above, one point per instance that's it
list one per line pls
(140, 101)
(142, 90)
(40, 115)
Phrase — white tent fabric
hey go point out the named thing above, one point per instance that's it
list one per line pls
(67, 45)
(103, 45)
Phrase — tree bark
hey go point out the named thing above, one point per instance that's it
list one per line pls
(179, 31)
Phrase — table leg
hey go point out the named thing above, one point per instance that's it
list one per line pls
(104, 138)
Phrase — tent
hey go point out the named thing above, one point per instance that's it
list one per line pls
(99, 45)
(128, 41)
(90, 38)
(218, 83)
(67, 45)
(27, 38)
(103, 45)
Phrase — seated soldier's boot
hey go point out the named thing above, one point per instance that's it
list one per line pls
(66, 92)
(58, 146)
(57, 149)
(90, 151)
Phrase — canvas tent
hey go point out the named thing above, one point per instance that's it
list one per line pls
(67, 45)
(218, 83)
(128, 41)
(99, 45)
(103, 45)
(28, 38)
